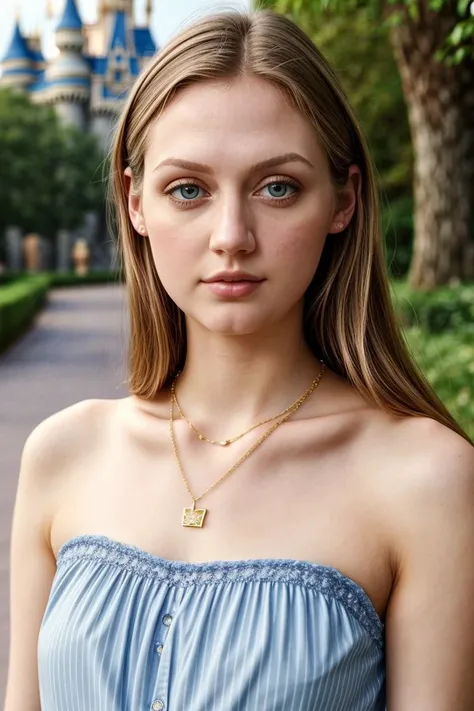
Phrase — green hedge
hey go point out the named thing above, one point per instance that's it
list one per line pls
(439, 327)
(447, 360)
(59, 279)
(20, 301)
(449, 308)
(23, 295)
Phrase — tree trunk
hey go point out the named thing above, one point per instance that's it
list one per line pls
(440, 102)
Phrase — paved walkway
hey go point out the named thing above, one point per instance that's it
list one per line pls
(76, 350)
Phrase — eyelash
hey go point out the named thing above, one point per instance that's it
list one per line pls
(186, 204)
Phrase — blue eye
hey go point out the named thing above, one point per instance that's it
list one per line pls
(279, 189)
(186, 192)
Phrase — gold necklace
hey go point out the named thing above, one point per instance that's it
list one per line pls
(230, 440)
(194, 518)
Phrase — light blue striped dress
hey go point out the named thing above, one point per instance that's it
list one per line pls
(125, 630)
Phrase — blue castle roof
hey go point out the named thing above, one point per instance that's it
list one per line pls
(71, 20)
(128, 46)
(18, 48)
(38, 56)
(119, 35)
(144, 42)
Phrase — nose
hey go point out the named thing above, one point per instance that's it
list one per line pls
(232, 232)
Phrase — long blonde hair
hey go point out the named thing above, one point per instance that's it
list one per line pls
(349, 320)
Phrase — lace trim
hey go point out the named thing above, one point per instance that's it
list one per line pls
(324, 579)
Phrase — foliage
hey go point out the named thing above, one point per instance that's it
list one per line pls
(398, 228)
(457, 48)
(448, 308)
(439, 328)
(447, 360)
(60, 279)
(48, 172)
(97, 277)
(20, 301)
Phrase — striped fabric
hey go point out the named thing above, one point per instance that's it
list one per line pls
(124, 630)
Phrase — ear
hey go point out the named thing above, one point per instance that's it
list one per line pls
(134, 204)
(346, 201)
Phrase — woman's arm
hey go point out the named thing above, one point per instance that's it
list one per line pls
(32, 568)
(430, 618)
(48, 455)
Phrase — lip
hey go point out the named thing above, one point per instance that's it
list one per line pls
(228, 276)
(233, 289)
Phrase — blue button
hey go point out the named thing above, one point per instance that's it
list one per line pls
(157, 705)
(167, 619)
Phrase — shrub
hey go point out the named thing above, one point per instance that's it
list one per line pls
(71, 279)
(449, 308)
(447, 360)
(20, 301)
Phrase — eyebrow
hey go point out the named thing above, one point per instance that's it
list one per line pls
(269, 163)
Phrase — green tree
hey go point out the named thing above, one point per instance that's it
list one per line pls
(49, 173)
(433, 47)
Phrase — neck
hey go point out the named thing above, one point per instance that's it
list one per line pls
(230, 382)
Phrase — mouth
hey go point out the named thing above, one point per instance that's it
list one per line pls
(231, 286)
(232, 277)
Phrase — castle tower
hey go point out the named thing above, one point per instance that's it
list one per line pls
(107, 15)
(18, 64)
(88, 80)
(125, 50)
(68, 76)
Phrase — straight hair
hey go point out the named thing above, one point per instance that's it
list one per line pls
(349, 318)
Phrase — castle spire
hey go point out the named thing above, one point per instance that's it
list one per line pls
(17, 63)
(18, 47)
(70, 20)
(149, 11)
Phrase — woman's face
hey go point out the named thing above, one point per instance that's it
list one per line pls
(237, 202)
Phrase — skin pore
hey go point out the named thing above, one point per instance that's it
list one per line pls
(206, 206)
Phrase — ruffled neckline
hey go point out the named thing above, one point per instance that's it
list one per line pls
(322, 578)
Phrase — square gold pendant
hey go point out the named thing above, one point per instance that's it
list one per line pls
(194, 518)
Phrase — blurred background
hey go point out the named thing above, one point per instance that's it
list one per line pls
(66, 67)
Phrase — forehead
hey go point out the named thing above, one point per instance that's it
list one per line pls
(241, 120)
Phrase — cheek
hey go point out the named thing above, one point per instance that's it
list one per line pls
(296, 245)
(173, 241)
(175, 262)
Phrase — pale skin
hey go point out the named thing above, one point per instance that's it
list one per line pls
(388, 502)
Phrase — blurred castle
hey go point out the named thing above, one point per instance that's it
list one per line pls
(93, 69)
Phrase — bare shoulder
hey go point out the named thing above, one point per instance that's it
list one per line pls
(428, 510)
(428, 456)
(438, 476)
(423, 475)
(58, 439)
(51, 448)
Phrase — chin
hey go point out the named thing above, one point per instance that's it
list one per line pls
(234, 324)
(233, 329)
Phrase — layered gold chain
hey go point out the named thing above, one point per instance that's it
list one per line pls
(195, 517)
(230, 440)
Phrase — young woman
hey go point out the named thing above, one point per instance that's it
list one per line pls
(280, 515)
